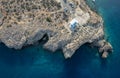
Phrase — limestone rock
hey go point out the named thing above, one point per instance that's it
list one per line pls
(24, 22)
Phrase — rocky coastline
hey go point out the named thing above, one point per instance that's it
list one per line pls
(25, 22)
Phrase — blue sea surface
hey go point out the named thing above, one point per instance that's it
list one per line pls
(36, 62)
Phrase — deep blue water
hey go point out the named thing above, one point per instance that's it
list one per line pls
(35, 62)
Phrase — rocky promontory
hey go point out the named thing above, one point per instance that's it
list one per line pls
(68, 24)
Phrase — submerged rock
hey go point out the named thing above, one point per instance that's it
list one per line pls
(68, 26)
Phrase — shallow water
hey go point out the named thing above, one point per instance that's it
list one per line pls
(35, 62)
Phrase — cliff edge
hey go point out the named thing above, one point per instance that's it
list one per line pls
(68, 24)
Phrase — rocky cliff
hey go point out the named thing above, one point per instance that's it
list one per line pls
(24, 22)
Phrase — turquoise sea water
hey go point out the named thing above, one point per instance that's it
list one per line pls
(35, 62)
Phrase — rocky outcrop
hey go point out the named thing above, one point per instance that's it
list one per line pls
(104, 47)
(24, 22)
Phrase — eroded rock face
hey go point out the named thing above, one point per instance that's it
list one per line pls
(24, 22)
